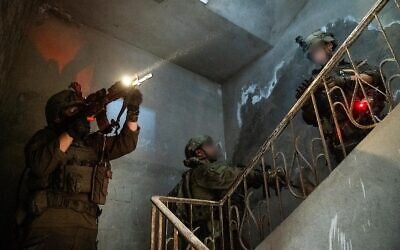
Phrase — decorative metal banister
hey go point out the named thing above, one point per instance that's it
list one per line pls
(242, 225)
(179, 227)
(300, 102)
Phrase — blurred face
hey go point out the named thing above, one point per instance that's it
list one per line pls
(209, 150)
(320, 54)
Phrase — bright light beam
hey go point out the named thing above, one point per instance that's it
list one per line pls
(131, 81)
(144, 78)
(126, 80)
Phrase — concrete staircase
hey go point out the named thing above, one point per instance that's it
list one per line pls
(357, 206)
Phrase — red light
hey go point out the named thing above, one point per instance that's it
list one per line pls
(90, 118)
(361, 106)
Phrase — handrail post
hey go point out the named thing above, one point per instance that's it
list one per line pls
(175, 221)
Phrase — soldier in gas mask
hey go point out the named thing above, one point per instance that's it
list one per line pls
(68, 175)
(208, 178)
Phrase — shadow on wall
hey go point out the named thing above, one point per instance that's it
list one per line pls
(54, 56)
(260, 112)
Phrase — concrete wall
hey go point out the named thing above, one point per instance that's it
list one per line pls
(357, 206)
(177, 105)
(265, 19)
(14, 20)
(14, 17)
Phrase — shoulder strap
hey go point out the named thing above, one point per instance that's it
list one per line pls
(186, 184)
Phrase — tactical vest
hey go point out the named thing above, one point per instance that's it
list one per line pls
(80, 184)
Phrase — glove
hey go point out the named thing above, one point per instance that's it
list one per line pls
(278, 173)
(302, 88)
(78, 128)
(339, 80)
(133, 100)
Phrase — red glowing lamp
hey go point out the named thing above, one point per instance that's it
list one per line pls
(361, 106)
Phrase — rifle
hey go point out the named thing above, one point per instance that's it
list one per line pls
(94, 106)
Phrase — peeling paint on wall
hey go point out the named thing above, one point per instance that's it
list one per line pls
(347, 19)
(256, 93)
(352, 19)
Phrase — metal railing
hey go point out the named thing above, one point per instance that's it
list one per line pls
(241, 223)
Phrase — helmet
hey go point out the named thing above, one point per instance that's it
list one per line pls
(59, 103)
(315, 38)
(195, 143)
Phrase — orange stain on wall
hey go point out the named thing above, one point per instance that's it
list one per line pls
(57, 41)
(84, 78)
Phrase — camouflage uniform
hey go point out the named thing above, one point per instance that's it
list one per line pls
(66, 188)
(339, 76)
(207, 180)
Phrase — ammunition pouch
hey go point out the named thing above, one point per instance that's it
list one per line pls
(38, 203)
(101, 176)
(75, 179)
(59, 201)
(44, 199)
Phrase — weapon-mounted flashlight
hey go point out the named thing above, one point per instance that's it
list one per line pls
(135, 81)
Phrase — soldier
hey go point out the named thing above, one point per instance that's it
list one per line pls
(320, 47)
(68, 173)
(209, 179)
